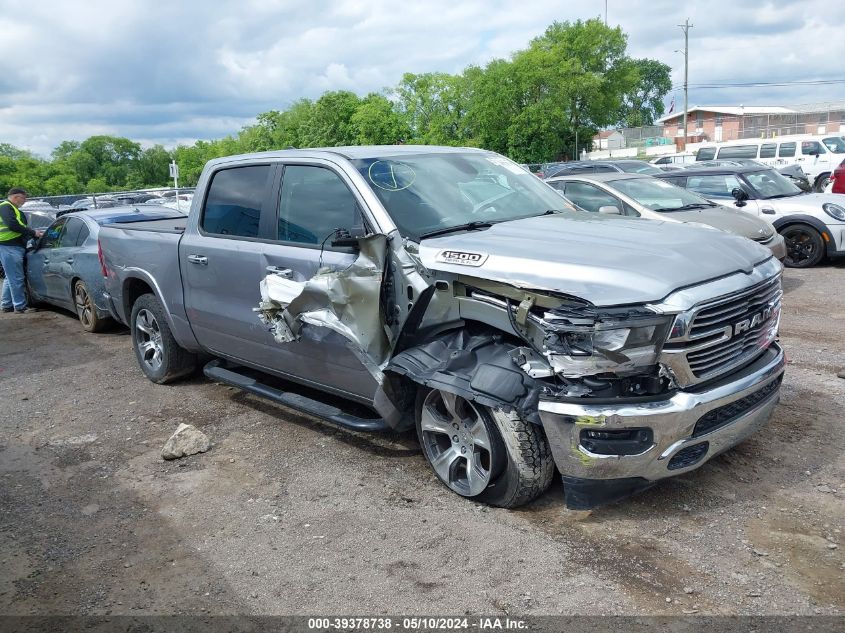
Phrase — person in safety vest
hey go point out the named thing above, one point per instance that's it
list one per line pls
(14, 234)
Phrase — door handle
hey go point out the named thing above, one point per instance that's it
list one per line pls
(202, 260)
(287, 273)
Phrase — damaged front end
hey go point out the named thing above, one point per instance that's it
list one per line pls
(498, 345)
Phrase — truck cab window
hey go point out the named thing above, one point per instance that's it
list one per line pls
(233, 204)
(314, 202)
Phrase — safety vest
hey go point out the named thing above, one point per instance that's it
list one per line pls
(6, 233)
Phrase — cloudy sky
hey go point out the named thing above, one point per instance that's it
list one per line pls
(177, 71)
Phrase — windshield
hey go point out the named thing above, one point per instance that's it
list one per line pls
(659, 195)
(637, 167)
(431, 192)
(771, 184)
(835, 144)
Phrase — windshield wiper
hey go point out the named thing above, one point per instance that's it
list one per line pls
(688, 207)
(469, 226)
(785, 195)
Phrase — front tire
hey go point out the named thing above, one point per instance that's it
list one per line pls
(804, 246)
(86, 310)
(821, 183)
(481, 453)
(159, 355)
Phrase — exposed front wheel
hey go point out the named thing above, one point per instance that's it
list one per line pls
(804, 246)
(482, 453)
(822, 182)
(159, 356)
(86, 310)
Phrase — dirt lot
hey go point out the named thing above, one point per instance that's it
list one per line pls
(287, 515)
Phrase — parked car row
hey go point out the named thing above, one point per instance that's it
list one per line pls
(451, 292)
(817, 155)
(812, 225)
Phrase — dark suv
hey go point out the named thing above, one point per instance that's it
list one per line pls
(576, 167)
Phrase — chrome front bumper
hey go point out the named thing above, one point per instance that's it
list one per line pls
(672, 422)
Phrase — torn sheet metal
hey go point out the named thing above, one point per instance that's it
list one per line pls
(477, 366)
(345, 301)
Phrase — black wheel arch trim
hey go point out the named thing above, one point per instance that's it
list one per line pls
(821, 227)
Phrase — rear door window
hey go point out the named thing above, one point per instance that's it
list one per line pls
(233, 205)
(706, 153)
(786, 150)
(590, 197)
(83, 235)
(738, 151)
(714, 186)
(71, 233)
(768, 150)
(315, 203)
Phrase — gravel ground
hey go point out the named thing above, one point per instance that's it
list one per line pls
(287, 515)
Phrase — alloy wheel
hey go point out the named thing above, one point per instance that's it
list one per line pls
(84, 308)
(800, 246)
(148, 340)
(456, 442)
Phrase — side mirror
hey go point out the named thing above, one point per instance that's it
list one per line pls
(740, 196)
(348, 238)
(610, 210)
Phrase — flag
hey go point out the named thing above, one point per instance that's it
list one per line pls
(671, 106)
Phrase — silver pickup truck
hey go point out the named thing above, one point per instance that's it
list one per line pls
(451, 291)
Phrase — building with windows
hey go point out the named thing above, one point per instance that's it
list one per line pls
(728, 123)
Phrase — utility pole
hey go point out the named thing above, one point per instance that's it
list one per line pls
(686, 26)
(605, 12)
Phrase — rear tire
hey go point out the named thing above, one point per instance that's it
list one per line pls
(481, 453)
(804, 246)
(86, 310)
(159, 355)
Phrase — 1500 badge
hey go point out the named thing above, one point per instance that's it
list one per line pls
(461, 258)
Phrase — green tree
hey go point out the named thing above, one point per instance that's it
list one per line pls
(434, 106)
(61, 184)
(571, 78)
(150, 168)
(376, 122)
(330, 123)
(643, 104)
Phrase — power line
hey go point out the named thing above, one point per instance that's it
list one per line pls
(763, 84)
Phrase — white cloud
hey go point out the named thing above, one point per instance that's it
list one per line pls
(165, 72)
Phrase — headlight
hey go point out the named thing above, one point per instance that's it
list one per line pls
(607, 345)
(835, 211)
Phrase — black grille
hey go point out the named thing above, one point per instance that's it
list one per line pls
(688, 456)
(725, 415)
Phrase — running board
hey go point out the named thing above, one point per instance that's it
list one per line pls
(217, 372)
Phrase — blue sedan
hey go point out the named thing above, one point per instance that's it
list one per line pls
(64, 269)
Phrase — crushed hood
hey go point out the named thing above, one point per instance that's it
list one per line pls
(604, 260)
